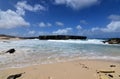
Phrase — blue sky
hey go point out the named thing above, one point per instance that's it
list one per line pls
(91, 18)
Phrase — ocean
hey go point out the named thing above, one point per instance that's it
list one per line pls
(34, 51)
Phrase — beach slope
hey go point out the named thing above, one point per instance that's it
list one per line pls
(82, 69)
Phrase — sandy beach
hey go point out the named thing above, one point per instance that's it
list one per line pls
(59, 39)
(79, 69)
(75, 59)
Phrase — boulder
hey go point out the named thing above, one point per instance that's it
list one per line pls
(15, 76)
(11, 51)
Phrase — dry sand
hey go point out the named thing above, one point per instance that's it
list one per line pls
(80, 69)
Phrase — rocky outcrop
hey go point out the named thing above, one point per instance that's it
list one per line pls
(44, 37)
(15, 76)
(113, 41)
(9, 37)
(61, 37)
(29, 37)
(11, 51)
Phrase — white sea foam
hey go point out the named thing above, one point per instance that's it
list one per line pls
(49, 51)
(89, 41)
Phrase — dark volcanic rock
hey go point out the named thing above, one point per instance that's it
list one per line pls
(15, 76)
(29, 37)
(11, 51)
(113, 41)
(46, 37)
(61, 37)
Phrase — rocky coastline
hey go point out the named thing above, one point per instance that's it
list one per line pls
(44, 37)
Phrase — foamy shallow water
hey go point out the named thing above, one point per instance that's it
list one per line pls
(49, 51)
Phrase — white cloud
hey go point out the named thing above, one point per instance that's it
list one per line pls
(110, 30)
(63, 31)
(114, 17)
(42, 24)
(22, 6)
(59, 24)
(114, 26)
(76, 4)
(78, 27)
(10, 19)
(95, 29)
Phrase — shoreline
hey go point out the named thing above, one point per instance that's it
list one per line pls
(24, 65)
(77, 69)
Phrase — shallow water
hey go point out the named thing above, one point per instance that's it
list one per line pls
(49, 51)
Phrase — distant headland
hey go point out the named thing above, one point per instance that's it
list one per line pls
(44, 37)
(61, 37)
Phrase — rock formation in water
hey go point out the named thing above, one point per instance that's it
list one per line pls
(45, 37)
(113, 41)
(61, 37)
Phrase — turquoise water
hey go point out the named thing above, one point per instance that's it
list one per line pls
(49, 51)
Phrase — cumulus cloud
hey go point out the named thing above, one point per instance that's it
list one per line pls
(76, 4)
(114, 17)
(114, 26)
(63, 31)
(43, 24)
(78, 27)
(22, 6)
(10, 19)
(59, 24)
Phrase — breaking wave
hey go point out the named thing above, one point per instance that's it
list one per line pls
(49, 51)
